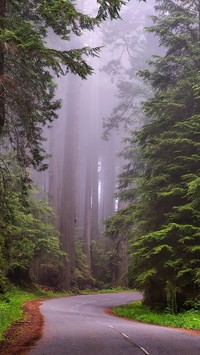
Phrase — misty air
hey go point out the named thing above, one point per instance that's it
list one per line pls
(100, 177)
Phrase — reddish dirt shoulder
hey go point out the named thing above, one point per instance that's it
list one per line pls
(25, 332)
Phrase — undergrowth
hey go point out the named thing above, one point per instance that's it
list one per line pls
(137, 311)
(11, 305)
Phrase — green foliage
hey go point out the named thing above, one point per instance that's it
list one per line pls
(137, 311)
(29, 62)
(28, 84)
(103, 272)
(170, 146)
(105, 263)
(83, 273)
(118, 224)
(12, 301)
(194, 192)
(11, 307)
(100, 265)
(26, 227)
(164, 194)
(10, 311)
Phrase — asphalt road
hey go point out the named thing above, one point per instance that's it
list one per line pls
(78, 325)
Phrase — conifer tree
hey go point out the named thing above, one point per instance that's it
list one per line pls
(166, 255)
(165, 192)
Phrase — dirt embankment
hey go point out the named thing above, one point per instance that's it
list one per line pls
(25, 332)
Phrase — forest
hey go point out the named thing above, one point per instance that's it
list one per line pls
(100, 147)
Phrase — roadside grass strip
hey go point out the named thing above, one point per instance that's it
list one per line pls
(11, 308)
(11, 305)
(137, 311)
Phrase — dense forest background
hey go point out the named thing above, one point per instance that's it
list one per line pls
(99, 165)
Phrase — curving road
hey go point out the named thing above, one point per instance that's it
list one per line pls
(78, 325)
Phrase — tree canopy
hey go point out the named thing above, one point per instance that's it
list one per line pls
(28, 64)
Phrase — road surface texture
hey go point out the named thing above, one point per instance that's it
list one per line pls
(78, 325)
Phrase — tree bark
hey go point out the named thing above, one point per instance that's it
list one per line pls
(88, 210)
(95, 202)
(108, 180)
(68, 194)
(2, 92)
(95, 158)
(123, 262)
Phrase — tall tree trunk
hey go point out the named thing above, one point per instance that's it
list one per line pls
(2, 93)
(95, 124)
(91, 197)
(88, 210)
(95, 202)
(55, 168)
(108, 179)
(68, 190)
(123, 262)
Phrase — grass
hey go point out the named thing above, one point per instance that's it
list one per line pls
(137, 311)
(11, 305)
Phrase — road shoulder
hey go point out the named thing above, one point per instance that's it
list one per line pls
(24, 333)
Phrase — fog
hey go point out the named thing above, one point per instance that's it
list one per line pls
(82, 179)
